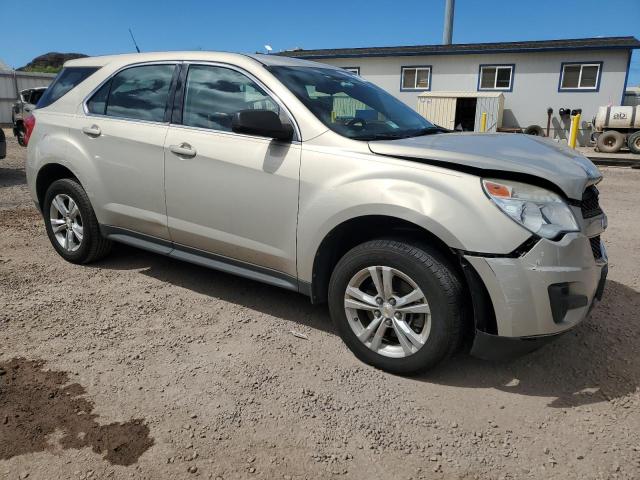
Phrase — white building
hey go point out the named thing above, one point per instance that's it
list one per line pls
(450, 84)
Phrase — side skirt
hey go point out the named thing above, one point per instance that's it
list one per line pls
(202, 258)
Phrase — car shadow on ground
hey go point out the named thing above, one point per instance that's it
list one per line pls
(263, 298)
(597, 361)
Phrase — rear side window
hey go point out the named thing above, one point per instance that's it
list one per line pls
(67, 79)
(138, 93)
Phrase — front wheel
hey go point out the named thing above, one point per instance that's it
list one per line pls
(397, 306)
(610, 141)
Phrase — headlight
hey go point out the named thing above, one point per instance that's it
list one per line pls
(538, 210)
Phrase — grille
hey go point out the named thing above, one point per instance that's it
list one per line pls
(590, 204)
(595, 247)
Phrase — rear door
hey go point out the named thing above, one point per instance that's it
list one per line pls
(230, 194)
(124, 130)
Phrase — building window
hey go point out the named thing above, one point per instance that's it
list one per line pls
(580, 76)
(496, 77)
(416, 78)
(355, 70)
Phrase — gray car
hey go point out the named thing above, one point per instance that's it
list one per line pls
(308, 177)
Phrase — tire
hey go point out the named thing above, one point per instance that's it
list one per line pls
(436, 279)
(610, 141)
(634, 142)
(20, 137)
(3, 145)
(535, 130)
(90, 245)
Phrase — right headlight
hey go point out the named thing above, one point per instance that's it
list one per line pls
(540, 211)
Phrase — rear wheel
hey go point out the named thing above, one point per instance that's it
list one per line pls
(397, 306)
(610, 141)
(71, 224)
(20, 136)
(634, 142)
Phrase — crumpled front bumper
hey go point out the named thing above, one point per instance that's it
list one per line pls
(545, 292)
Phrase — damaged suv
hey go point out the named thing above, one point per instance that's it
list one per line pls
(308, 177)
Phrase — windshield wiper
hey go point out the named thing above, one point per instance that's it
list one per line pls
(398, 135)
(428, 131)
(381, 136)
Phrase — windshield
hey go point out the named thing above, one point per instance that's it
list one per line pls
(351, 106)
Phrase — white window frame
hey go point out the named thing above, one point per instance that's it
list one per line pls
(415, 88)
(495, 78)
(581, 65)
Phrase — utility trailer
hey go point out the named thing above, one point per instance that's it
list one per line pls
(616, 127)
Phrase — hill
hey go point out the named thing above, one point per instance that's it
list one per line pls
(49, 62)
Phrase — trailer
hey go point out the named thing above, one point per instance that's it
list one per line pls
(615, 127)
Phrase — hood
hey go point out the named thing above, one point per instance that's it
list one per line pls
(492, 154)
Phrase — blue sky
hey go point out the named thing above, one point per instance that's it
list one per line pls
(97, 28)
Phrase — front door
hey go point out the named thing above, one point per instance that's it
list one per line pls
(230, 194)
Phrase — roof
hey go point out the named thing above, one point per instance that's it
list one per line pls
(199, 55)
(598, 43)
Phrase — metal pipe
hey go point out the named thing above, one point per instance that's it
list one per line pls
(483, 122)
(447, 34)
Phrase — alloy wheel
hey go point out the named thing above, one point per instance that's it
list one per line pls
(66, 222)
(387, 311)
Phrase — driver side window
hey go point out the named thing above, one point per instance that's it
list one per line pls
(214, 94)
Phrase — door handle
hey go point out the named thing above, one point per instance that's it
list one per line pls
(183, 150)
(92, 131)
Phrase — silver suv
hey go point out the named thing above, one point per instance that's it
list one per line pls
(308, 177)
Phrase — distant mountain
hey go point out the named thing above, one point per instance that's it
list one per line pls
(50, 62)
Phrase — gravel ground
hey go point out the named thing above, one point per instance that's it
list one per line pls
(143, 367)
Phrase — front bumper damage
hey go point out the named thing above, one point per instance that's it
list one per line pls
(539, 295)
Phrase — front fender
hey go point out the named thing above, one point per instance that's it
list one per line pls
(450, 205)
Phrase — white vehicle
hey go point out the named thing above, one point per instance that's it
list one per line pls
(308, 177)
(616, 127)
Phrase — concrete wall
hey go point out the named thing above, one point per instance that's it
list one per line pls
(9, 80)
(535, 82)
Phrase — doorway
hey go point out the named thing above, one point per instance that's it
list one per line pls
(465, 118)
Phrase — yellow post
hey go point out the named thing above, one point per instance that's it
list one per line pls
(573, 133)
(483, 122)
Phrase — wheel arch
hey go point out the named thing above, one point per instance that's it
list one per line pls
(48, 174)
(356, 230)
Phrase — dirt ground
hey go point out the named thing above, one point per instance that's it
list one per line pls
(144, 367)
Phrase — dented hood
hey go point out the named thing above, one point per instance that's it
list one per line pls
(491, 154)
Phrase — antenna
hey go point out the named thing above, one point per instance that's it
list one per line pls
(268, 48)
(134, 40)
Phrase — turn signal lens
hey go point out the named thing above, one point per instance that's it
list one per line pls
(497, 190)
(539, 210)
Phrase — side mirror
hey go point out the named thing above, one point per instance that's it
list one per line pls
(264, 123)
